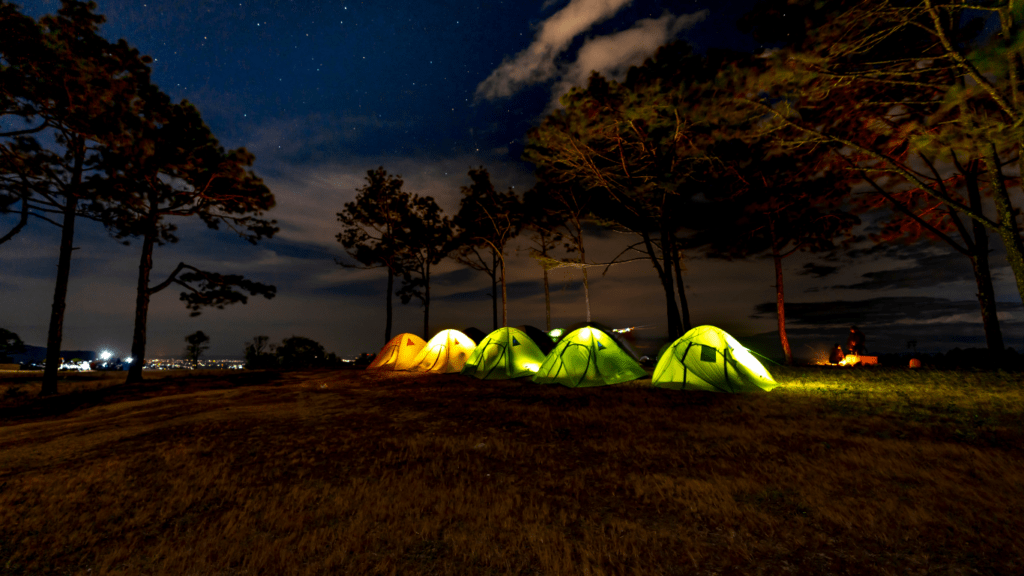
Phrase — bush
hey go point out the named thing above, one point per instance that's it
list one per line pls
(298, 352)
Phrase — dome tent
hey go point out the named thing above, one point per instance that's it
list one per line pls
(398, 353)
(503, 354)
(707, 358)
(611, 333)
(588, 356)
(446, 352)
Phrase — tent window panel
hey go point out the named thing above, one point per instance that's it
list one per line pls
(707, 353)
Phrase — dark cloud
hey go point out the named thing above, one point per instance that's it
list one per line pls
(306, 251)
(891, 250)
(818, 271)
(356, 288)
(928, 270)
(874, 311)
(814, 343)
(456, 277)
(515, 290)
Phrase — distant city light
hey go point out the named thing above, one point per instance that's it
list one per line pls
(105, 355)
(128, 360)
(556, 333)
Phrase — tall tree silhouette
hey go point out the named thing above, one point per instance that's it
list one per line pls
(544, 218)
(916, 216)
(486, 221)
(197, 343)
(371, 229)
(426, 236)
(68, 94)
(175, 168)
(10, 343)
(779, 202)
(636, 146)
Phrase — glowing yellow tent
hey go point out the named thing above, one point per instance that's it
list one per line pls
(398, 353)
(446, 352)
(706, 358)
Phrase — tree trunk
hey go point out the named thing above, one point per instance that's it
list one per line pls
(986, 299)
(391, 289)
(687, 322)
(504, 296)
(672, 313)
(780, 300)
(980, 265)
(494, 289)
(547, 291)
(586, 283)
(1008, 231)
(780, 307)
(142, 297)
(668, 262)
(55, 335)
(426, 301)
(683, 304)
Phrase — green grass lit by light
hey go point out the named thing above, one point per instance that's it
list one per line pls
(896, 385)
(962, 399)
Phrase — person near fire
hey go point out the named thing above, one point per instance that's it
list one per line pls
(856, 342)
(837, 355)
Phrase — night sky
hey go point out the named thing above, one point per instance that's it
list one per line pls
(321, 92)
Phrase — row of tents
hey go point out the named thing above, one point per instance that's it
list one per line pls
(705, 358)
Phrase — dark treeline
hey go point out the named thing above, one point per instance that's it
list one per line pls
(86, 134)
(908, 111)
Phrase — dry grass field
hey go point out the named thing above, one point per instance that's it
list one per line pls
(837, 471)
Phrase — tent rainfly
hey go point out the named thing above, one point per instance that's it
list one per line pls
(398, 353)
(503, 354)
(707, 358)
(588, 357)
(446, 352)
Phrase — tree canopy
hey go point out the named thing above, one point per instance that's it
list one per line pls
(198, 342)
(900, 88)
(10, 344)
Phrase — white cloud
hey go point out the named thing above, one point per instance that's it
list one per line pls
(613, 55)
(537, 62)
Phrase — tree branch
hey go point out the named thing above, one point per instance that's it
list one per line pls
(172, 278)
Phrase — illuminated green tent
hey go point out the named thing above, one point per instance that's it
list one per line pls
(588, 357)
(706, 358)
(503, 354)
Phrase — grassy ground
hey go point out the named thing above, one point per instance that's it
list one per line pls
(838, 471)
